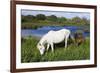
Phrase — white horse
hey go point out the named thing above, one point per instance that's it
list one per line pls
(53, 37)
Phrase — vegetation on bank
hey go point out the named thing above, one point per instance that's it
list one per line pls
(33, 22)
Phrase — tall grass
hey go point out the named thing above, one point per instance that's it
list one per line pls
(29, 52)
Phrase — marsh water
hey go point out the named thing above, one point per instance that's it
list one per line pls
(39, 32)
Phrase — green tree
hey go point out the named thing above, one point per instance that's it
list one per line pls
(76, 20)
(52, 18)
(28, 18)
(40, 17)
(85, 21)
(61, 19)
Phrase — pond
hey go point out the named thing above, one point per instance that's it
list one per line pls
(39, 32)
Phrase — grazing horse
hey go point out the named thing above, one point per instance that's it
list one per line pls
(79, 38)
(53, 37)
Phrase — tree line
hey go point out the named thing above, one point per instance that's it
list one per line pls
(53, 18)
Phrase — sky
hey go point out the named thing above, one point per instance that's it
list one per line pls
(57, 13)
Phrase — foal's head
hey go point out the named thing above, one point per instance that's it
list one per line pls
(41, 48)
(79, 38)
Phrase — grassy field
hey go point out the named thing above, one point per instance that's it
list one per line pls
(29, 52)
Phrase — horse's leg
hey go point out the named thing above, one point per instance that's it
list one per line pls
(52, 47)
(65, 43)
(66, 38)
(48, 46)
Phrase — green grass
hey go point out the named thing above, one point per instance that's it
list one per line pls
(29, 52)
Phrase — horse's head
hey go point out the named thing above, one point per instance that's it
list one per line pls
(41, 48)
(79, 38)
